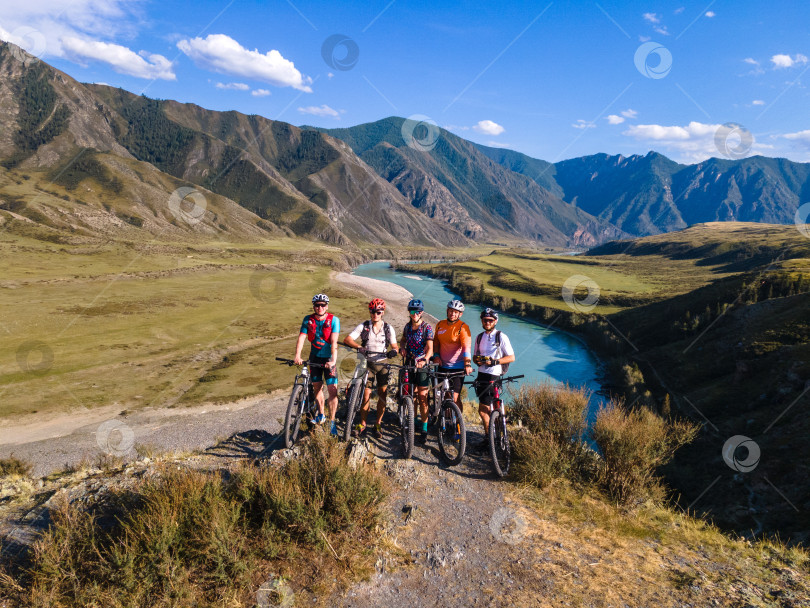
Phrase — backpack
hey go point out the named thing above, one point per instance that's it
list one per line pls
(504, 366)
(312, 328)
(367, 330)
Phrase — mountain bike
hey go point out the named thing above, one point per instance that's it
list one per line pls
(302, 402)
(356, 389)
(405, 409)
(499, 447)
(450, 422)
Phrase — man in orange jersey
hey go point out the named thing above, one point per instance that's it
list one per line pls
(452, 343)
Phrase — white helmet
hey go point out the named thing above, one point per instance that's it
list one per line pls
(456, 305)
(321, 297)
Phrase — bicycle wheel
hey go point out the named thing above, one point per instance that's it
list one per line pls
(452, 433)
(354, 397)
(499, 445)
(295, 411)
(406, 416)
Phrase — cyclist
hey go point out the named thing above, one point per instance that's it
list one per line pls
(376, 339)
(451, 347)
(417, 349)
(321, 329)
(493, 353)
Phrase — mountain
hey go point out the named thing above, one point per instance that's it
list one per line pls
(286, 181)
(651, 194)
(453, 181)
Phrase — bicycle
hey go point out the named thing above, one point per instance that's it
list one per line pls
(302, 401)
(356, 389)
(499, 447)
(451, 428)
(405, 409)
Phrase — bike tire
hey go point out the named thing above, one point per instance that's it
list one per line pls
(295, 411)
(499, 445)
(407, 425)
(451, 449)
(354, 397)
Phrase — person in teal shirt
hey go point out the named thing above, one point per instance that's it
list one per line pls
(321, 329)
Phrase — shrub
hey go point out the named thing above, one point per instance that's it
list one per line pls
(556, 421)
(204, 538)
(633, 445)
(14, 466)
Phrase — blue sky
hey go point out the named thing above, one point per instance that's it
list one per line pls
(554, 80)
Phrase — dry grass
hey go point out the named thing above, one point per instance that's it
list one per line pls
(200, 538)
(14, 467)
(633, 445)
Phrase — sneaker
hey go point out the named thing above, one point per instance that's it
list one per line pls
(377, 431)
(359, 430)
(333, 430)
(319, 419)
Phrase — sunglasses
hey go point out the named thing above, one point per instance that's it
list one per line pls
(413, 311)
(488, 320)
(377, 312)
(319, 305)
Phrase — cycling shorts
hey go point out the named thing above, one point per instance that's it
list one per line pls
(485, 389)
(456, 382)
(317, 373)
(377, 374)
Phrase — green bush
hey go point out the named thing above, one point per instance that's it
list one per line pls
(555, 418)
(633, 445)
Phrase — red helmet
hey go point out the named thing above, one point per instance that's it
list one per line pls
(376, 304)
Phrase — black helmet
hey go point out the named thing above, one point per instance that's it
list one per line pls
(489, 313)
(416, 305)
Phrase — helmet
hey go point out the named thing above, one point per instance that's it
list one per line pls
(377, 304)
(321, 297)
(489, 313)
(456, 305)
(416, 304)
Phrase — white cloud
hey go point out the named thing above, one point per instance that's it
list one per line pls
(323, 110)
(662, 29)
(488, 127)
(758, 102)
(786, 61)
(710, 14)
(629, 113)
(223, 54)
(679, 10)
(232, 86)
(613, 119)
(260, 92)
(802, 137)
(644, 39)
(651, 17)
(499, 144)
(691, 143)
(120, 58)
(751, 60)
(583, 124)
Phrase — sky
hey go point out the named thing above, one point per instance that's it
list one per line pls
(554, 80)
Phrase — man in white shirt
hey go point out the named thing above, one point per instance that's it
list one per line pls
(491, 351)
(377, 339)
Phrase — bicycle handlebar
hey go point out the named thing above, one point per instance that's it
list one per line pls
(290, 362)
(500, 380)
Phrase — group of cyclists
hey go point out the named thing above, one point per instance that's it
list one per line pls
(449, 346)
